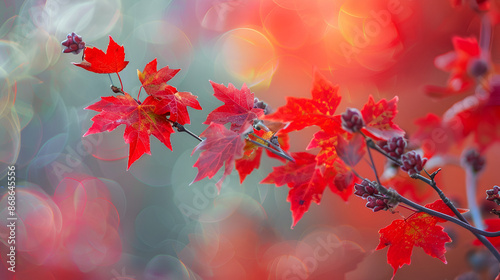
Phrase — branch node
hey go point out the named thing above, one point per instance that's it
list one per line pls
(433, 174)
(116, 89)
(496, 212)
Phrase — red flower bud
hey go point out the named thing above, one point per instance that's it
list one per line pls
(412, 162)
(73, 43)
(352, 120)
(472, 159)
(395, 146)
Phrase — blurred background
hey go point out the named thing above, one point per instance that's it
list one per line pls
(84, 216)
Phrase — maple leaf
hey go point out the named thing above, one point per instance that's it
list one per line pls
(251, 154)
(461, 63)
(176, 105)
(328, 141)
(95, 60)
(140, 121)
(378, 118)
(340, 179)
(477, 116)
(307, 182)
(220, 146)
(170, 100)
(319, 110)
(482, 5)
(155, 81)
(378, 124)
(352, 151)
(249, 162)
(419, 230)
(293, 173)
(237, 109)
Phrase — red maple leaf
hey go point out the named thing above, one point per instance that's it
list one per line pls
(327, 141)
(477, 116)
(220, 146)
(419, 230)
(319, 110)
(352, 151)
(95, 60)
(249, 162)
(378, 118)
(155, 81)
(237, 109)
(140, 119)
(482, 5)
(176, 105)
(378, 124)
(251, 155)
(343, 180)
(307, 182)
(456, 62)
(171, 101)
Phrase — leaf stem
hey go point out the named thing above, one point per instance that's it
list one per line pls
(267, 142)
(111, 80)
(485, 35)
(259, 124)
(371, 160)
(277, 150)
(139, 94)
(119, 78)
(114, 88)
(356, 174)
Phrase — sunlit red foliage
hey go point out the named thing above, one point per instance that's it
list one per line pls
(113, 61)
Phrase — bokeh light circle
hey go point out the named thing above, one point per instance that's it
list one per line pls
(246, 55)
(165, 267)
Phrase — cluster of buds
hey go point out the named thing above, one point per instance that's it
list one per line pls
(352, 120)
(375, 200)
(395, 147)
(472, 159)
(492, 195)
(73, 43)
(412, 162)
(261, 105)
